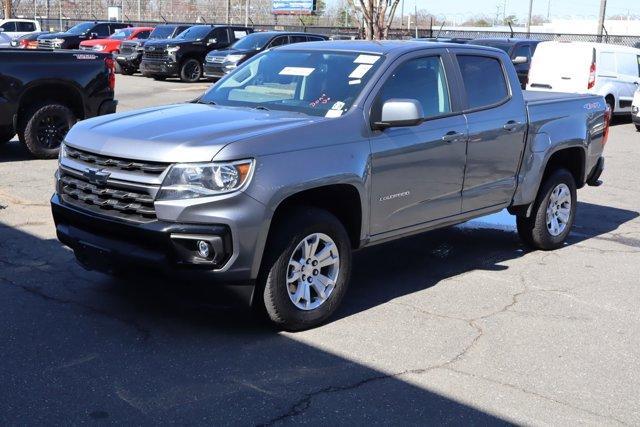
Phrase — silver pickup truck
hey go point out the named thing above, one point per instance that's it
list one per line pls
(307, 152)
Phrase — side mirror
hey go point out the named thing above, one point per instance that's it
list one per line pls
(93, 35)
(520, 60)
(400, 113)
(212, 41)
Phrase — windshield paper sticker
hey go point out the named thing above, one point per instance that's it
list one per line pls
(296, 71)
(360, 71)
(333, 113)
(366, 59)
(355, 82)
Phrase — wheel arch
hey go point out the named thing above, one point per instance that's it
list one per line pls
(57, 92)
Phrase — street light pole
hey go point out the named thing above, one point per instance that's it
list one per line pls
(529, 18)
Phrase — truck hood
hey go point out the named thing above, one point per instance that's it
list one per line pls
(178, 133)
(58, 36)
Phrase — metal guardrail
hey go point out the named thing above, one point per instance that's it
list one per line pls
(397, 33)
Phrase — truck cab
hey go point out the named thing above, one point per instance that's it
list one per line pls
(184, 55)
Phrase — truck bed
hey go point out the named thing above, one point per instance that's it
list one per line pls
(534, 96)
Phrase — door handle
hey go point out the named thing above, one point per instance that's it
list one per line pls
(452, 136)
(511, 125)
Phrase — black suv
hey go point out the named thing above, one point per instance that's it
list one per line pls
(130, 54)
(519, 50)
(71, 38)
(183, 55)
(220, 62)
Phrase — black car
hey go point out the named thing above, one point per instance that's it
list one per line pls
(219, 62)
(43, 93)
(131, 51)
(519, 50)
(183, 55)
(71, 38)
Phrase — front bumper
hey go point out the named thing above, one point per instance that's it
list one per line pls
(130, 61)
(215, 71)
(159, 68)
(110, 245)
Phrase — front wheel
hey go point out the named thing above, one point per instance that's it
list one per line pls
(307, 275)
(553, 213)
(190, 70)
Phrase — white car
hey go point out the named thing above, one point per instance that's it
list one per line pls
(604, 69)
(14, 28)
(635, 109)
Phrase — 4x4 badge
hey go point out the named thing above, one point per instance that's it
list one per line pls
(96, 176)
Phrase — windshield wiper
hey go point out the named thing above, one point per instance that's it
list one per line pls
(261, 107)
(200, 101)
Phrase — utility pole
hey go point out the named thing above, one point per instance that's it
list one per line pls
(416, 10)
(228, 12)
(529, 19)
(603, 12)
(246, 13)
(7, 9)
(402, 15)
(549, 11)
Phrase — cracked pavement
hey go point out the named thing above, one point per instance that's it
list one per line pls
(463, 325)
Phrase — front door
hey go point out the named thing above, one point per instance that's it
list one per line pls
(417, 171)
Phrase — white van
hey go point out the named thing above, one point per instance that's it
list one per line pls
(13, 28)
(597, 68)
(635, 109)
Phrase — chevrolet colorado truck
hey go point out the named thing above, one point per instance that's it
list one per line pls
(43, 93)
(309, 151)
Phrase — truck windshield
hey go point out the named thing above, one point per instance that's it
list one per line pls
(80, 29)
(197, 32)
(162, 32)
(309, 82)
(253, 41)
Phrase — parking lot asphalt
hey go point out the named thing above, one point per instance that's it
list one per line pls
(457, 326)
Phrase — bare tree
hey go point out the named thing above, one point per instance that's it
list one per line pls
(377, 15)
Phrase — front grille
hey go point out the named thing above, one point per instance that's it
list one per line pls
(215, 59)
(151, 168)
(86, 47)
(116, 200)
(45, 44)
(155, 54)
(127, 49)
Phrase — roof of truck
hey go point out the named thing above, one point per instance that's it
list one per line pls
(381, 47)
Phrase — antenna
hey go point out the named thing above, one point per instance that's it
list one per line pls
(511, 28)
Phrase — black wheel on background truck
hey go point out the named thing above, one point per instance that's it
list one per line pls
(126, 70)
(190, 70)
(553, 212)
(6, 134)
(306, 269)
(45, 128)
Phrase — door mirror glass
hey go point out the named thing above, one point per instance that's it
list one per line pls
(520, 60)
(400, 113)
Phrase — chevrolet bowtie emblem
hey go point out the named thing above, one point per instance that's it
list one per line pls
(96, 176)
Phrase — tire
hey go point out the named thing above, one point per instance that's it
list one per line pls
(191, 71)
(287, 236)
(638, 128)
(127, 71)
(610, 100)
(6, 135)
(534, 230)
(45, 129)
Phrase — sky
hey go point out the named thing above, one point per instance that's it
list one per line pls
(459, 10)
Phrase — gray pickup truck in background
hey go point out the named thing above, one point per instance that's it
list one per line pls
(306, 152)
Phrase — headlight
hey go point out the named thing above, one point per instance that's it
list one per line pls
(191, 180)
(173, 49)
(57, 42)
(98, 47)
(233, 58)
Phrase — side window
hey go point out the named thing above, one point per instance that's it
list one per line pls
(279, 41)
(628, 64)
(222, 35)
(239, 33)
(315, 39)
(9, 26)
(102, 30)
(484, 80)
(297, 39)
(606, 64)
(142, 35)
(422, 79)
(26, 27)
(522, 50)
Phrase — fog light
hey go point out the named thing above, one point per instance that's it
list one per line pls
(203, 249)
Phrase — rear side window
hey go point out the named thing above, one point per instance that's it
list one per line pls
(522, 50)
(422, 79)
(484, 80)
(607, 63)
(102, 30)
(279, 41)
(628, 64)
(315, 39)
(143, 35)
(297, 39)
(26, 27)
(9, 26)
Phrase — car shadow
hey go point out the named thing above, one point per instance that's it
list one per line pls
(14, 151)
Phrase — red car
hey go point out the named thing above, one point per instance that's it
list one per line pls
(112, 44)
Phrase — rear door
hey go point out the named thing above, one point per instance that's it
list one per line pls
(417, 171)
(561, 67)
(496, 120)
(628, 68)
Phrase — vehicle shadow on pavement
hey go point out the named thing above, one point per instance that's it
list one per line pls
(79, 345)
(14, 151)
(391, 270)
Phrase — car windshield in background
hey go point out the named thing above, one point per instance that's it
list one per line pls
(253, 41)
(80, 28)
(310, 82)
(121, 34)
(161, 32)
(197, 32)
(502, 46)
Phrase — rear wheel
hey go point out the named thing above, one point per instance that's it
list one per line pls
(126, 70)
(6, 134)
(190, 70)
(307, 274)
(45, 129)
(553, 213)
